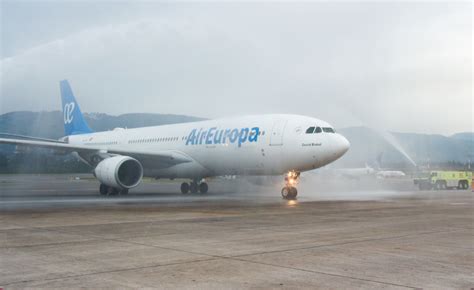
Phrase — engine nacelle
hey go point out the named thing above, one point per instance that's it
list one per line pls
(119, 172)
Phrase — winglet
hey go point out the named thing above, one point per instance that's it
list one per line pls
(74, 123)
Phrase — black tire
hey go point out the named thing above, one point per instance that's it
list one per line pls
(289, 192)
(113, 191)
(293, 192)
(103, 189)
(193, 187)
(184, 188)
(285, 192)
(203, 187)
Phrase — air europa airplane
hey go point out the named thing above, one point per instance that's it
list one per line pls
(273, 144)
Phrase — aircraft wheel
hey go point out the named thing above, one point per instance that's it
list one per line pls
(293, 192)
(289, 192)
(113, 191)
(124, 192)
(103, 189)
(193, 187)
(184, 187)
(203, 187)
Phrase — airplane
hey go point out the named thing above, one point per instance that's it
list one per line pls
(355, 173)
(390, 174)
(271, 144)
(383, 174)
(367, 171)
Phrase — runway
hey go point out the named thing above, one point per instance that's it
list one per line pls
(56, 232)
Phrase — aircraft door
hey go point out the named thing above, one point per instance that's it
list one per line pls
(276, 139)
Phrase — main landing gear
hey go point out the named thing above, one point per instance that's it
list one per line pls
(194, 186)
(290, 192)
(107, 190)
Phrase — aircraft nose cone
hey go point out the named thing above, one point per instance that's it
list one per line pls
(341, 146)
(345, 145)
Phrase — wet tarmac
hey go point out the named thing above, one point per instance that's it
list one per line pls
(57, 232)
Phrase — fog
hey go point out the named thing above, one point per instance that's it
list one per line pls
(391, 65)
(60, 192)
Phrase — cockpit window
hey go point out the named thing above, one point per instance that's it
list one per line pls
(318, 130)
(328, 130)
(310, 130)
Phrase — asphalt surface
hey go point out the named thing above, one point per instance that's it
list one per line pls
(56, 232)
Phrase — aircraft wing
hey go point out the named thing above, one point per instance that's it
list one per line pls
(165, 158)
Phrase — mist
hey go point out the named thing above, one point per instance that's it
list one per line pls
(335, 61)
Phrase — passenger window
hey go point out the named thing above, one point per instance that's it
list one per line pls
(318, 130)
(310, 130)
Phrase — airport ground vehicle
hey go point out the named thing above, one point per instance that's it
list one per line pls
(444, 179)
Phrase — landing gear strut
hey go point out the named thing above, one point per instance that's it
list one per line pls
(290, 192)
(194, 187)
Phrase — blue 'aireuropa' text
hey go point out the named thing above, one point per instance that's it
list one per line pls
(215, 136)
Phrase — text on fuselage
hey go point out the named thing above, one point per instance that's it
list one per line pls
(222, 136)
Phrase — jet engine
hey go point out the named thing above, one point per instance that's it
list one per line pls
(121, 172)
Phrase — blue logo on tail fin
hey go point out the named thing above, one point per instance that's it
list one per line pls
(74, 123)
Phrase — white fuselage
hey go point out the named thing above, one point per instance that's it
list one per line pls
(251, 145)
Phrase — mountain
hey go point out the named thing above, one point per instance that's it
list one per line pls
(464, 136)
(367, 145)
(50, 124)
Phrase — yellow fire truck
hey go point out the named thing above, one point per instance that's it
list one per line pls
(444, 180)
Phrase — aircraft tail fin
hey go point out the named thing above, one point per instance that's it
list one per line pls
(74, 123)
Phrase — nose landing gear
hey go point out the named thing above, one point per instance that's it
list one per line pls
(290, 192)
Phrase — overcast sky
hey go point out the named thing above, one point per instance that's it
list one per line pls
(399, 66)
